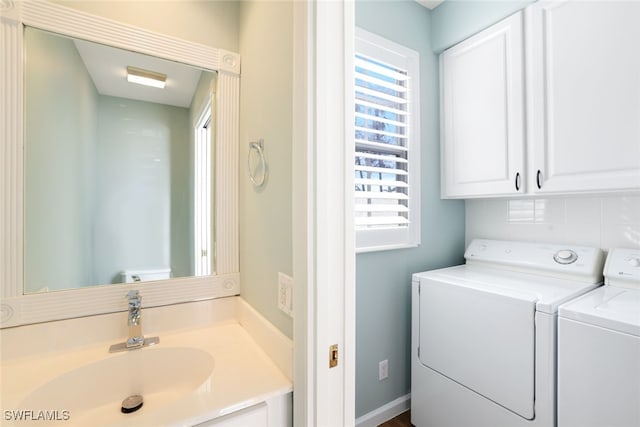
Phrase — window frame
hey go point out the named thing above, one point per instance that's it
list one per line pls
(386, 51)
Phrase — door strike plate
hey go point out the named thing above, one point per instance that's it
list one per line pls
(333, 356)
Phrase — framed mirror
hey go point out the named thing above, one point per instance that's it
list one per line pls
(100, 191)
(117, 179)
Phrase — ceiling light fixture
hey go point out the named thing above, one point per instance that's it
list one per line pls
(146, 77)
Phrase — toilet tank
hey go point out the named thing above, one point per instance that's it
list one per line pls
(131, 276)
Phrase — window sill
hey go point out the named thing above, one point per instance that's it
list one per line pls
(386, 248)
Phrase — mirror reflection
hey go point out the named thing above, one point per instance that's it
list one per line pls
(117, 174)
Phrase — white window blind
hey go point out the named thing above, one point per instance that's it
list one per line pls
(386, 144)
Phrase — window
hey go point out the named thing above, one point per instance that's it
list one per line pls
(387, 144)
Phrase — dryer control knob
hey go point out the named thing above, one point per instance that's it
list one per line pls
(634, 262)
(565, 256)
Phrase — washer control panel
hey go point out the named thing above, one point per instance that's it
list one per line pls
(577, 262)
(623, 266)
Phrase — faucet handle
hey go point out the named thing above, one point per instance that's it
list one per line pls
(134, 298)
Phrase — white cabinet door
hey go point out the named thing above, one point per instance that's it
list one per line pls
(584, 96)
(482, 105)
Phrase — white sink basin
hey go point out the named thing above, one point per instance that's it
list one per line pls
(92, 394)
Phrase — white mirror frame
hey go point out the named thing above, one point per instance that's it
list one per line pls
(17, 308)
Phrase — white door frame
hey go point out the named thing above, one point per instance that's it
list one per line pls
(323, 233)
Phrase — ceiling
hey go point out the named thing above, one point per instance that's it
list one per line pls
(430, 4)
(108, 69)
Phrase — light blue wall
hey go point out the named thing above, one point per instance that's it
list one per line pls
(383, 279)
(142, 153)
(60, 111)
(266, 91)
(456, 20)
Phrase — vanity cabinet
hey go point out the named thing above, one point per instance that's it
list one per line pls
(582, 98)
(482, 102)
(256, 415)
(276, 411)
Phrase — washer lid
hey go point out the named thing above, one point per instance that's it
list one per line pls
(608, 307)
(546, 292)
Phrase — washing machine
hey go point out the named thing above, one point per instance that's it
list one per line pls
(599, 350)
(484, 333)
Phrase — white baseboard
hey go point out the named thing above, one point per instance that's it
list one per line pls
(385, 412)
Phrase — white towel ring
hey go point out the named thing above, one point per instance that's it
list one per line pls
(257, 180)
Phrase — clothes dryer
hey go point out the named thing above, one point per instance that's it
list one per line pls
(484, 333)
(599, 350)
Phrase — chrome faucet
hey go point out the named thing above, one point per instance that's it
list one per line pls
(134, 322)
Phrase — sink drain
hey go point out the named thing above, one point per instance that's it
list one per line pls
(131, 404)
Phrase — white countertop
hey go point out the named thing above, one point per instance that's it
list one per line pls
(242, 376)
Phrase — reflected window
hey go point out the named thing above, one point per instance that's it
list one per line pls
(202, 194)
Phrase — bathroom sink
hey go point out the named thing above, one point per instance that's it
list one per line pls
(92, 394)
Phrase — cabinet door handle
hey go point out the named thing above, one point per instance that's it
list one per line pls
(518, 181)
(539, 179)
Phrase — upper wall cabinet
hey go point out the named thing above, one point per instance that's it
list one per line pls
(582, 102)
(482, 95)
(584, 96)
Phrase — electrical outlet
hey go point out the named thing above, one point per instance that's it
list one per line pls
(383, 369)
(285, 294)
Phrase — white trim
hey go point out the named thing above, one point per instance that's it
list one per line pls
(226, 152)
(328, 179)
(16, 308)
(397, 55)
(334, 235)
(385, 412)
(11, 157)
(384, 248)
(348, 237)
(302, 207)
(89, 301)
(77, 24)
(324, 254)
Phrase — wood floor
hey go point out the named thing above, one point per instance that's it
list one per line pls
(402, 420)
